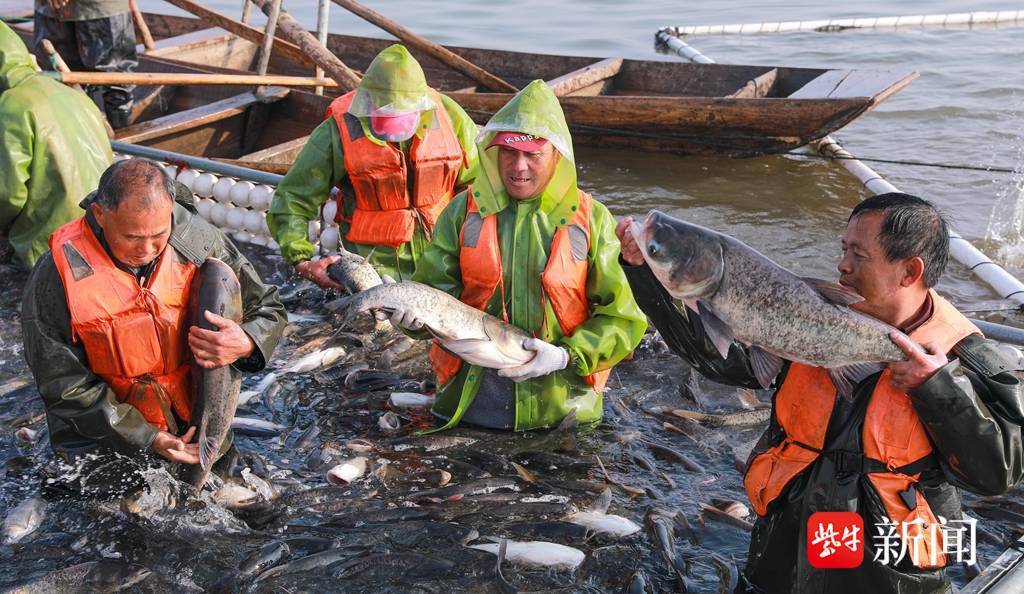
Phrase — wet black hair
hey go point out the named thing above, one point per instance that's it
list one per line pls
(116, 180)
(911, 227)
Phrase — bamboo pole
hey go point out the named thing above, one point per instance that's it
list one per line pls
(214, 18)
(423, 44)
(962, 19)
(140, 24)
(334, 67)
(323, 11)
(186, 78)
(268, 37)
(1002, 282)
(246, 9)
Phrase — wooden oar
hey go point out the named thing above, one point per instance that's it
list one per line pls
(214, 18)
(347, 79)
(140, 24)
(423, 44)
(186, 78)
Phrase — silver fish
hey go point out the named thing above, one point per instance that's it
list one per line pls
(24, 519)
(215, 288)
(537, 553)
(91, 576)
(741, 295)
(470, 334)
(353, 272)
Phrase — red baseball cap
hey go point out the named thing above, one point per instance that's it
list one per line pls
(527, 143)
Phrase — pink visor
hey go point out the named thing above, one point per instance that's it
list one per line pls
(398, 127)
(527, 143)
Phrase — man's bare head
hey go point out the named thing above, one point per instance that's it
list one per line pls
(134, 206)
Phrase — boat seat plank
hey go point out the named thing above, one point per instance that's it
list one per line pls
(199, 116)
(842, 84)
(757, 87)
(170, 46)
(578, 80)
(283, 152)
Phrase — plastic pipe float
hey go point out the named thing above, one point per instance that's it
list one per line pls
(960, 249)
(961, 19)
(256, 176)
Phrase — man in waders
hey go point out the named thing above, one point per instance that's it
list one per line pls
(104, 320)
(894, 456)
(525, 244)
(396, 150)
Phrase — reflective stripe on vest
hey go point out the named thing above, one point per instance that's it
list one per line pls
(564, 280)
(135, 338)
(892, 434)
(385, 213)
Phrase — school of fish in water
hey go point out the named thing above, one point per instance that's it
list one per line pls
(334, 490)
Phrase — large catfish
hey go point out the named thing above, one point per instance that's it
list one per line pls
(214, 391)
(474, 336)
(741, 295)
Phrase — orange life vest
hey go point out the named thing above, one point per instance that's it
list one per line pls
(385, 212)
(893, 437)
(564, 280)
(135, 338)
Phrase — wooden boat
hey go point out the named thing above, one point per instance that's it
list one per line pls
(672, 106)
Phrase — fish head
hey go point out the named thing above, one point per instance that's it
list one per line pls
(685, 258)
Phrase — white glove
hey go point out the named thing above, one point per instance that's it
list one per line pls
(402, 318)
(549, 358)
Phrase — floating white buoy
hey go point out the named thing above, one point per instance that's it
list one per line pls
(203, 205)
(240, 193)
(118, 157)
(222, 190)
(264, 227)
(329, 238)
(259, 239)
(260, 197)
(236, 218)
(330, 211)
(253, 222)
(188, 177)
(241, 236)
(274, 245)
(219, 215)
(314, 231)
(203, 186)
(171, 171)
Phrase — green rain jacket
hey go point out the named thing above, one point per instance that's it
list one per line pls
(321, 165)
(525, 231)
(54, 148)
(82, 412)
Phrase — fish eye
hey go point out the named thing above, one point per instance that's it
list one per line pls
(652, 249)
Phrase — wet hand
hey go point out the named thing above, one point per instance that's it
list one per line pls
(549, 358)
(401, 318)
(920, 365)
(317, 272)
(177, 449)
(217, 348)
(630, 250)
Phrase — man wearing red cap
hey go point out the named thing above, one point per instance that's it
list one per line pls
(523, 243)
(396, 150)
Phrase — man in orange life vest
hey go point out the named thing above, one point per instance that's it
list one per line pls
(946, 418)
(104, 318)
(396, 150)
(524, 243)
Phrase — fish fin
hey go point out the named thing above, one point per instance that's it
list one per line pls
(208, 448)
(845, 378)
(766, 366)
(387, 280)
(601, 502)
(692, 304)
(569, 422)
(717, 330)
(833, 292)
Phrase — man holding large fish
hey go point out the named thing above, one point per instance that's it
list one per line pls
(123, 360)
(397, 151)
(886, 399)
(526, 246)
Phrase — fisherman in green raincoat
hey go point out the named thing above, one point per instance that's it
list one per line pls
(396, 150)
(53, 148)
(523, 243)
